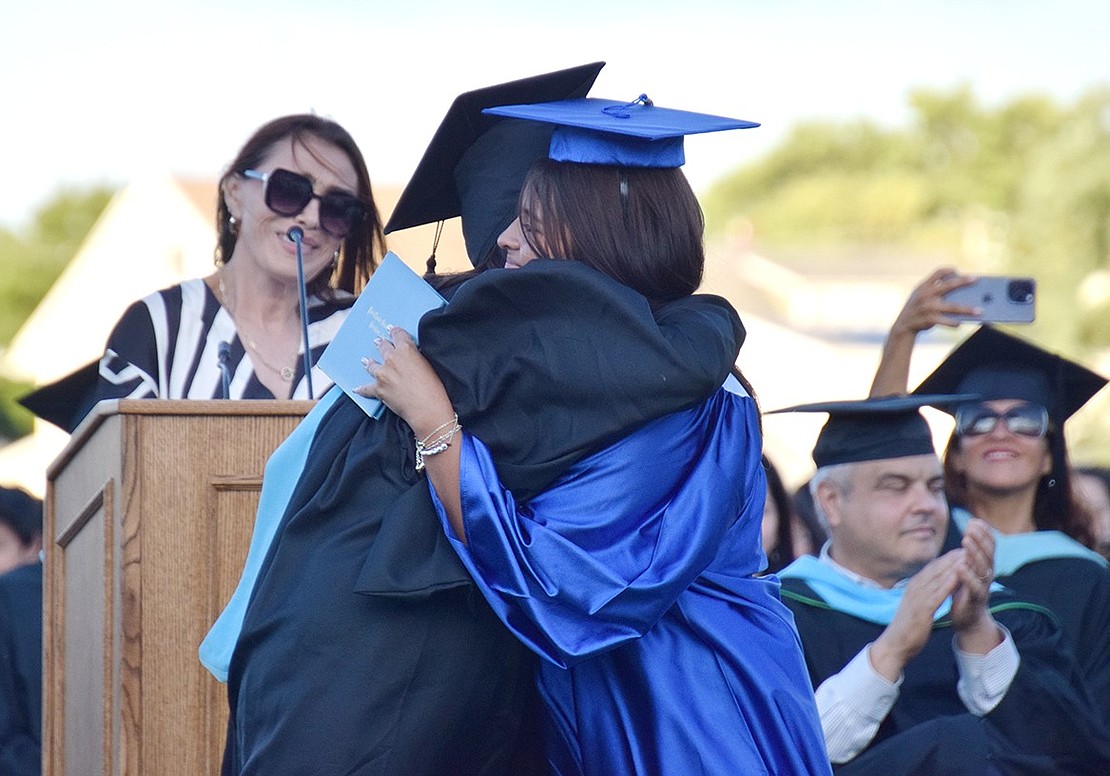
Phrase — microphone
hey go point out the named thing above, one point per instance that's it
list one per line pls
(222, 355)
(296, 234)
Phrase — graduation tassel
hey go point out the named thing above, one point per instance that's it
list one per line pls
(431, 262)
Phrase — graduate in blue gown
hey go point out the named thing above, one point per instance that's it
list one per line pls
(632, 574)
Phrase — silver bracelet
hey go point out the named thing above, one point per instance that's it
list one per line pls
(429, 446)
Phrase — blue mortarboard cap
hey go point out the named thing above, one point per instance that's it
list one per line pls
(875, 429)
(590, 130)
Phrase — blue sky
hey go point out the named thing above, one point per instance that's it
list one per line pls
(112, 90)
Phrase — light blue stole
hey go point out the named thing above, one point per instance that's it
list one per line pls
(872, 604)
(283, 471)
(1012, 551)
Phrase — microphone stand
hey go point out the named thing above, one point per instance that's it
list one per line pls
(296, 234)
(225, 370)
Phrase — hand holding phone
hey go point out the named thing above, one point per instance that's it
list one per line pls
(997, 299)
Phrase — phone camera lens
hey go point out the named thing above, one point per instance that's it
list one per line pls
(1020, 291)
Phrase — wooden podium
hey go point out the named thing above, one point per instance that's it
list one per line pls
(148, 515)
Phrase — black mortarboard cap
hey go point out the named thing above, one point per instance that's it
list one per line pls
(996, 365)
(589, 130)
(66, 401)
(469, 171)
(874, 429)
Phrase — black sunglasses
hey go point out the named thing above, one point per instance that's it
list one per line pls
(288, 193)
(1029, 420)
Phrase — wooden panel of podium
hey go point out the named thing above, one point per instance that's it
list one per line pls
(148, 516)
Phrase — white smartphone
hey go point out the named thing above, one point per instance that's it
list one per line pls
(1002, 299)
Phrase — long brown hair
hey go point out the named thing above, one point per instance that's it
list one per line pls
(362, 249)
(1055, 506)
(641, 227)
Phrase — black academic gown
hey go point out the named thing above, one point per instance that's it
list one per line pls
(1078, 593)
(1045, 725)
(365, 648)
(21, 671)
(1077, 590)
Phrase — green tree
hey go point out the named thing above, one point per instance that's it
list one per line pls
(1022, 188)
(1061, 223)
(30, 262)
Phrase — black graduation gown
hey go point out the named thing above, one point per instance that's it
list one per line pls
(21, 671)
(365, 648)
(1046, 724)
(1077, 591)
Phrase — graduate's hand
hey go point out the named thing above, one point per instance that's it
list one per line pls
(976, 630)
(407, 384)
(909, 631)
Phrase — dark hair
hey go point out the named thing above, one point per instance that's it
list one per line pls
(640, 226)
(780, 556)
(1055, 507)
(362, 248)
(21, 512)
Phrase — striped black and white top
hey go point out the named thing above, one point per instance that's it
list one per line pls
(166, 346)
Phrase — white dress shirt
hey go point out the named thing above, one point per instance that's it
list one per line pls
(854, 702)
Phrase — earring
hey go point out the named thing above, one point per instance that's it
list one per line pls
(335, 256)
(233, 224)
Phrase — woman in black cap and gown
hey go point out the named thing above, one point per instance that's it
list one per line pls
(1006, 462)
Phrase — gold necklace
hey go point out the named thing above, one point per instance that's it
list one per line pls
(286, 373)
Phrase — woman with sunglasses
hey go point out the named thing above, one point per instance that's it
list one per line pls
(239, 332)
(1007, 463)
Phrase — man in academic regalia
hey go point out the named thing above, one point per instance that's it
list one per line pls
(922, 664)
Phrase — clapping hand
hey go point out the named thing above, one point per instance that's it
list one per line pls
(976, 630)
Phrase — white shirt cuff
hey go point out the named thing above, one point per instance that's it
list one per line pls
(984, 679)
(852, 704)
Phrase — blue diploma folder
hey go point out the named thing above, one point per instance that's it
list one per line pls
(394, 296)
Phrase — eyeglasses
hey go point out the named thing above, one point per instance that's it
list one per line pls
(1029, 420)
(288, 193)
